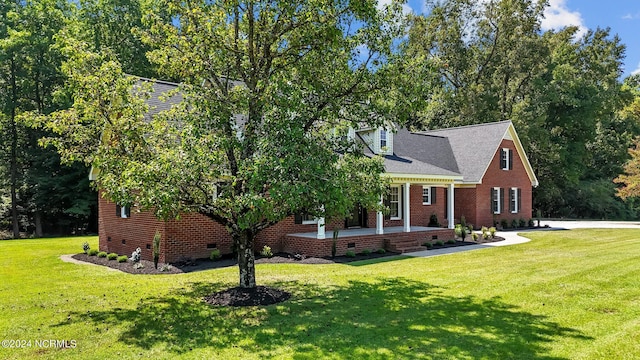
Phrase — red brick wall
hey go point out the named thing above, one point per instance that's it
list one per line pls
(136, 231)
(194, 234)
(505, 179)
(466, 205)
(316, 247)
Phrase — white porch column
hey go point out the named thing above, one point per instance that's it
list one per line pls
(450, 205)
(380, 219)
(407, 207)
(321, 228)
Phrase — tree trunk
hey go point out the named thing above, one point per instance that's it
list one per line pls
(38, 221)
(246, 259)
(13, 162)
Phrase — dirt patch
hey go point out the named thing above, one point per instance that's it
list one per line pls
(237, 296)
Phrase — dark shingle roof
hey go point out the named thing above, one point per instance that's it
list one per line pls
(474, 146)
(415, 153)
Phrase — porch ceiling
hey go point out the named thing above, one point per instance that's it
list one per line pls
(366, 231)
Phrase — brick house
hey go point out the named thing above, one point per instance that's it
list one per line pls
(480, 172)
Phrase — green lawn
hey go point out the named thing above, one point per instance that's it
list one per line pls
(564, 295)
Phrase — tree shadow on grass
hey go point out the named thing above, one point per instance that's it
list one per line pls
(390, 317)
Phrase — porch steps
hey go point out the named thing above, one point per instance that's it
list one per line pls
(402, 246)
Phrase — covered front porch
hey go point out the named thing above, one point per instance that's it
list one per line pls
(395, 239)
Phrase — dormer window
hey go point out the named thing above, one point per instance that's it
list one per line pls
(383, 138)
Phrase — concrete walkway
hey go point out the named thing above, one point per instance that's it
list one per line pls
(512, 237)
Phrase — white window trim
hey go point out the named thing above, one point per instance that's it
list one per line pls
(386, 139)
(497, 191)
(505, 152)
(399, 203)
(428, 188)
(123, 212)
(514, 200)
(310, 222)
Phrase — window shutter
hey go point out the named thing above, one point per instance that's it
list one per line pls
(519, 191)
(502, 199)
(510, 159)
(446, 203)
(127, 211)
(118, 211)
(401, 201)
(297, 218)
(432, 194)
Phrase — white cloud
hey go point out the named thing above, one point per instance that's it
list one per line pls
(636, 71)
(558, 16)
(630, 16)
(406, 9)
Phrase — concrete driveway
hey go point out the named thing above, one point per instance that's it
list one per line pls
(512, 237)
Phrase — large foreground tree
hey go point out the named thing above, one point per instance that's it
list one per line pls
(269, 90)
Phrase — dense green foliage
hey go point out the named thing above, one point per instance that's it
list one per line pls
(478, 62)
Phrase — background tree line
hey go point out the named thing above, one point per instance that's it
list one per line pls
(465, 62)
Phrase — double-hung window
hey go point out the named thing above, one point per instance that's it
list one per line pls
(383, 139)
(123, 211)
(395, 203)
(427, 195)
(515, 200)
(496, 200)
(506, 159)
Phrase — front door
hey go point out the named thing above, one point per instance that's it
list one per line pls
(358, 218)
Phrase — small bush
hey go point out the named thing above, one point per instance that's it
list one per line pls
(112, 256)
(458, 230)
(451, 241)
(433, 221)
(138, 265)
(514, 223)
(475, 236)
(350, 254)
(122, 258)
(532, 223)
(366, 252)
(486, 235)
(428, 245)
(102, 254)
(166, 267)
(266, 251)
(470, 227)
(439, 243)
(522, 222)
(86, 247)
(156, 248)
(215, 254)
(504, 223)
(381, 251)
(93, 252)
(492, 231)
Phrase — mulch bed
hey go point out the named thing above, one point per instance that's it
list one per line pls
(188, 265)
(237, 296)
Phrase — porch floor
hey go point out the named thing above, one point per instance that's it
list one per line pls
(365, 231)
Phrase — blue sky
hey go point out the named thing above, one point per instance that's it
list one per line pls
(622, 16)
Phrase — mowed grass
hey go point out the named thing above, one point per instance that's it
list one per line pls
(564, 295)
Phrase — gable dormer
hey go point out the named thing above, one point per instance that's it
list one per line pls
(379, 140)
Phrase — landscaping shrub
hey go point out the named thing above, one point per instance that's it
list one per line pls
(474, 236)
(135, 256)
(504, 223)
(439, 243)
(366, 252)
(451, 241)
(86, 247)
(102, 254)
(514, 223)
(112, 256)
(486, 235)
(532, 223)
(427, 244)
(522, 222)
(122, 258)
(492, 231)
(381, 251)
(165, 267)
(458, 230)
(215, 254)
(433, 221)
(156, 248)
(266, 251)
(350, 254)
(93, 252)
